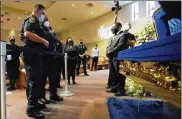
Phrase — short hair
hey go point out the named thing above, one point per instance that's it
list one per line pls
(11, 37)
(38, 7)
(118, 24)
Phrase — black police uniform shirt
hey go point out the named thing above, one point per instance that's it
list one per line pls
(82, 48)
(71, 50)
(33, 25)
(14, 61)
(22, 38)
(50, 38)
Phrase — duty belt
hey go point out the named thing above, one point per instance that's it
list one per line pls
(33, 50)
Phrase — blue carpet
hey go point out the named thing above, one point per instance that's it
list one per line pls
(140, 109)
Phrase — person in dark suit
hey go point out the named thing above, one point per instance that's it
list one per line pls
(116, 81)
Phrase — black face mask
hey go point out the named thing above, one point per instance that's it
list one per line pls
(115, 30)
(81, 42)
(70, 42)
(12, 41)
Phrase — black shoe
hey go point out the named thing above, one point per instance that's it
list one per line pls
(44, 101)
(10, 89)
(40, 106)
(86, 75)
(107, 87)
(111, 90)
(120, 92)
(74, 83)
(56, 98)
(36, 115)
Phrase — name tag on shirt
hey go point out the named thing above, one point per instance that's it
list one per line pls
(9, 57)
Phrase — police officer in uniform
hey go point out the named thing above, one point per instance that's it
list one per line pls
(116, 81)
(49, 66)
(34, 41)
(82, 58)
(72, 52)
(12, 63)
(59, 63)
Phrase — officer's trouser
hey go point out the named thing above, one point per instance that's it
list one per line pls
(63, 68)
(71, 69)
(13, 72)
(59, 69)
(116, 79)
(84, 61)
(49, 71)
(33, 67)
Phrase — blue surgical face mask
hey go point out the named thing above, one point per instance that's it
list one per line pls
(41, 18)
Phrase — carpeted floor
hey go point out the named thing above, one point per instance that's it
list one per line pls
(89, 100)
(141, 109)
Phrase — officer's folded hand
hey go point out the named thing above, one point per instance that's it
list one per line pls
(46, 43)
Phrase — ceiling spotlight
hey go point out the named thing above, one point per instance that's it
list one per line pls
(90, 5)
(18, 17)
(64, 19)
(105, 6)
(73, 5)
(51, 19)
(26, 12)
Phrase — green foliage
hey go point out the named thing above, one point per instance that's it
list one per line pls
(133, 88)
(147, 34)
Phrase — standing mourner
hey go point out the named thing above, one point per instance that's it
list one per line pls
(95, 57)
(34, 41)
(82, 58)
(12, 64)
(116, 81)
(72, 52)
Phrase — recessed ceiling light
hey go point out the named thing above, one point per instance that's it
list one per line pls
(59, 27)
(64, 18)
(105, 6)
(18, 17)
(51, 19)
(73, 4)
(90, 5)
(26, 12)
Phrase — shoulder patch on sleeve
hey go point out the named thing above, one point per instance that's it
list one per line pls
(31, 20)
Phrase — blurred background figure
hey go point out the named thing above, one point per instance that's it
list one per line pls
(59, 63)
(82, 58)
(72, 52)
(95, 57)
(12, 64)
